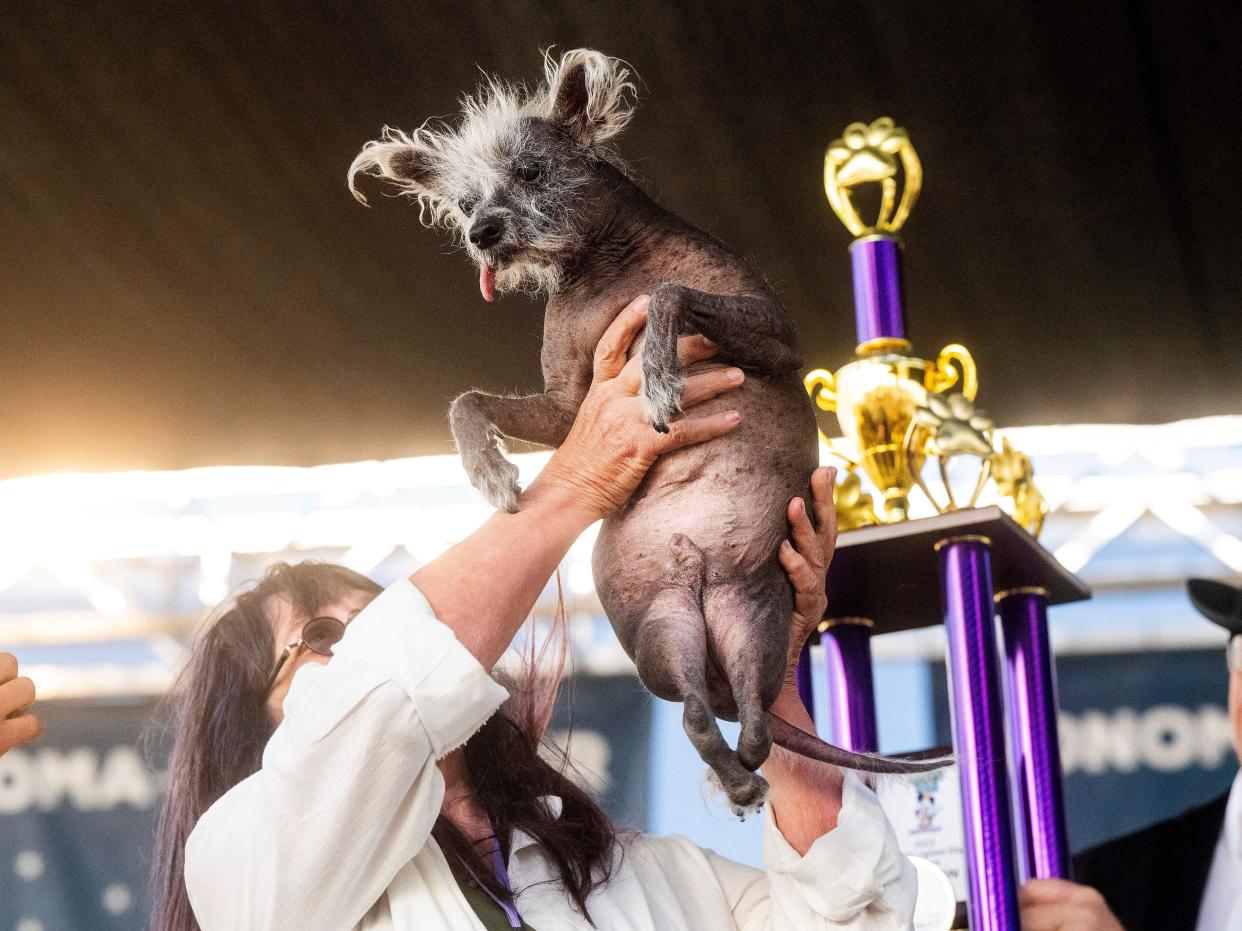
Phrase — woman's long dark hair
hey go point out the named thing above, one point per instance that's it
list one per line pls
(221, 725)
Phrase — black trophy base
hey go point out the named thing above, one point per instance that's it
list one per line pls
(890, 573)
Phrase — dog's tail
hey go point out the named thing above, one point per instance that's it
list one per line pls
(799, 741)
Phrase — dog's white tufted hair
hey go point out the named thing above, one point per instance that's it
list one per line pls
(490, 126)
(444, 165)
(609, 91)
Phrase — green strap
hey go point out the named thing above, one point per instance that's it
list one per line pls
(488, 912)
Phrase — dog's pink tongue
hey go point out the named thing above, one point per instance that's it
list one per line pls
(487, 282)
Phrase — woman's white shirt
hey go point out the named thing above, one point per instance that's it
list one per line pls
(334, 831)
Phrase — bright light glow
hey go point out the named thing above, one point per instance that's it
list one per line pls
(1104, 439)
(1228, 550)
(71, 526)
(1225, 485)
(1104, 527)
(1166, 458)
(1184, 518)
(108, 600)
(426, 548)
(1193, 523)
(212, 591)
(363, 557)
(580, 578)
(214, 564)
(1073, 555)
(100, 680)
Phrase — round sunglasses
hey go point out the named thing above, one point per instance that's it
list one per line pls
(319, 635)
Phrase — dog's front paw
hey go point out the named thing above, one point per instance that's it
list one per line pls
(496, 477)
(661, 391)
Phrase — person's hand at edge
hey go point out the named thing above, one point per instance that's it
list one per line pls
(18, 725)
(1060, 905)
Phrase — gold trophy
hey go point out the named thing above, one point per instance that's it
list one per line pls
(896, 410)
(897, 413)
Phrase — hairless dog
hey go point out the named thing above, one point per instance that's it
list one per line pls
(688, 571)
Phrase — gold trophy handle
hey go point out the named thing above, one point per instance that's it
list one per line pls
(944, 376)
(821, 386)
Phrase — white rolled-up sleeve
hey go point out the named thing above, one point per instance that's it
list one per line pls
(853, 877)
(348, 790)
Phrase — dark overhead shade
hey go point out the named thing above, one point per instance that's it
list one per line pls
(187, 281)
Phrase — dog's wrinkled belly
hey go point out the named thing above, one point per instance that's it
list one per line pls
(729, 498)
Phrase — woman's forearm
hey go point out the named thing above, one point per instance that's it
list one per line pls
(484, 587)
(805, 794)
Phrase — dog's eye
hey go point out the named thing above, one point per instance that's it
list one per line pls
(467, 205)
(530, 171)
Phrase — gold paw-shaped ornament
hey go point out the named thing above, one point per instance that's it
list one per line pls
(867, 154)
(955, 427)
(894, 408)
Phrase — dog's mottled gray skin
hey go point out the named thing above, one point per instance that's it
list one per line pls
(688, 570)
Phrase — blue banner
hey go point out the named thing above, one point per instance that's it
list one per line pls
(78, 807)
(77, 814)
(1144, 736)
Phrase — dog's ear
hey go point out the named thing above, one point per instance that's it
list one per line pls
(589, 94)
(411, 160)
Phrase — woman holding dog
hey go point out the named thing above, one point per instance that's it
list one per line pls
(389, 789)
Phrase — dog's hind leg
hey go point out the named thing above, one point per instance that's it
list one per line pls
(672, 659)
(751, 668)
(681, 649)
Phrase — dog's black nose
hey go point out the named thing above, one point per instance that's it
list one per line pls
(486, 231)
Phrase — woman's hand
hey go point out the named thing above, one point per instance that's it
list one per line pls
(806, 561)
(610, 447)
(17, 694)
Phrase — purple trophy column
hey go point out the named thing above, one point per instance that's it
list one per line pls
(851, 694)
(805, 690)
(876, 262)
(1033, 724)
(975, 702)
